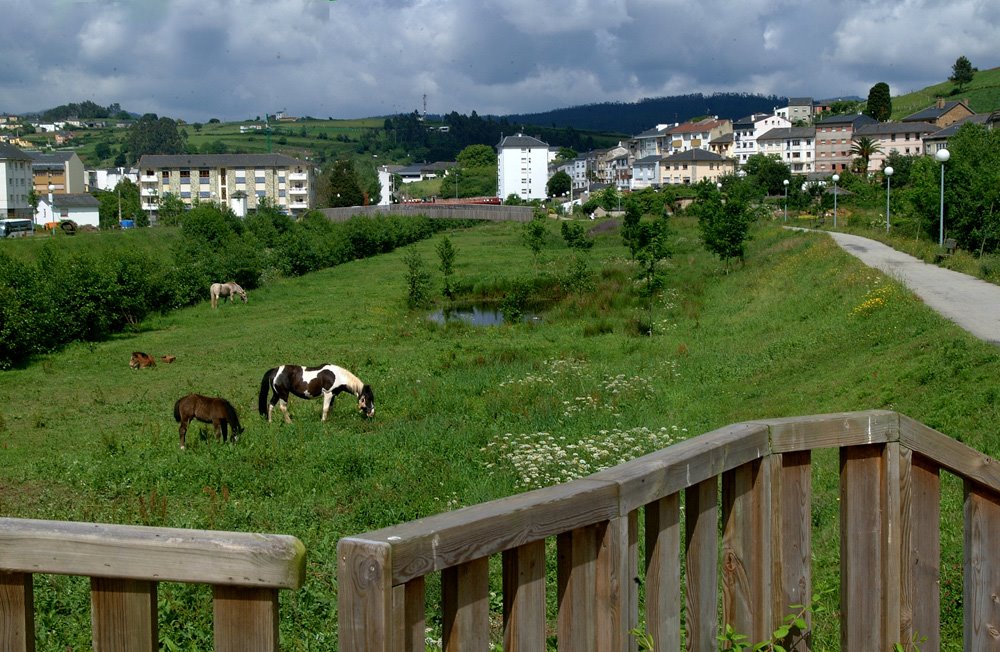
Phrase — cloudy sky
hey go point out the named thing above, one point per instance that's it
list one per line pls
(234, 59)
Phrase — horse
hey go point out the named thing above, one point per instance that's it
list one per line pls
(224, 290)
(309, 382)
(207, 409)
(140, 360)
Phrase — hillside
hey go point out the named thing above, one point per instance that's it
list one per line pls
(983, 95)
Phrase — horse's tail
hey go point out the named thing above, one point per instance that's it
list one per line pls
(234, 420)
(265, 387)
(177, 410)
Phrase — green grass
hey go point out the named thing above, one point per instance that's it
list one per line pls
(794, 331)
(983, 94)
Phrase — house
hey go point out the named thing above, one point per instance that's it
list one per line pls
(794, 146)
(646, 172)
(15, 183)
(109, 179)
(723, 145)
(650, 142)
(607, 163)
(694, 165)
(942, 113)
(833, 141)
(746, 130)
(386, 178)
(522, 167)
(799, 110)
(82, 208)
(905, 138)
(240, 181)
(577, 171)
(939, 139)
(695, 134)
(61, 170)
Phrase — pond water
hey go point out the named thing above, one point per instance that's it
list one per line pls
(475, 315)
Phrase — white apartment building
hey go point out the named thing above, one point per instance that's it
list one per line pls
(795, 146)
(239, 181)
(747, 130)
(16, 180)
(522, 167)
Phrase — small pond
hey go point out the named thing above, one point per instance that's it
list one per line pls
(475, 315)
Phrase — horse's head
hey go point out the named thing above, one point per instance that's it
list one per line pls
(366, 401)
(243, 294)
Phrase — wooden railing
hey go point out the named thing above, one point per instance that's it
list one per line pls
(125, 564)
(756, 563)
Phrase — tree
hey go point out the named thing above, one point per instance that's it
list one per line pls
(152, 135)
(766, 173)
(864, 148)
(879, 104)
(418, 280)
(566, 154)
(559, 184)
(170, 210)
(446, 255)
(961, 73)
(123, 202)
(339, 186)
(477, 156)
(724, 225)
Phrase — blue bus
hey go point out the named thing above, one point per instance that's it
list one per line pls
(14, 228)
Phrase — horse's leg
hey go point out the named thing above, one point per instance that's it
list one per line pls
(220, 429)
(283, 404)
(327, 402)
(183, 432)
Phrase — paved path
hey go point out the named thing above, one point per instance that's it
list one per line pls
(969, 302)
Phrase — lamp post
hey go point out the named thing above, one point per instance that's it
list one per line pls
(888, 187)
(942, 156)
(785, 183)
(836, 178)
(52, 208)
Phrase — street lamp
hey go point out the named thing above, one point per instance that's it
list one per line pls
(942, 156)
(836, 178)
(785, 183)
(888, 187)
(52, 208)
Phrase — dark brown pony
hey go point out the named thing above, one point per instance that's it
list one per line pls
(207, 409)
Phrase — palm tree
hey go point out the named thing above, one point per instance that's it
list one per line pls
(864, 147)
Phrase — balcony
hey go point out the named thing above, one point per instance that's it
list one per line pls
(298, 176)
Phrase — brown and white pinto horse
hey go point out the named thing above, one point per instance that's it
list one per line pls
(309, 382)
(207, 409)
(224, 290)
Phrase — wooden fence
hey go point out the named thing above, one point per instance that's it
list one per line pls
(746, 547)
(125, 564)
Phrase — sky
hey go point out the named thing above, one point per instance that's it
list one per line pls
(238, 59)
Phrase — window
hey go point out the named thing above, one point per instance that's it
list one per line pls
(203, 174)
(185, 174)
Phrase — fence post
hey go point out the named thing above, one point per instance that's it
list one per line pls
(364, 594)
(17, 612)
(524, 597)
(123, 614)
(982, 569)
(701, 525)
(791, 527)
(246, 619)
(922, 551)
(861, 563)
(663, 572)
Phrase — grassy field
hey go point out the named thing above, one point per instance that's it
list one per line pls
(983, 94)
(802, 328)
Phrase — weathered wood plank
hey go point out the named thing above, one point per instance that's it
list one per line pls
(245, 619)
(524, 598)
(123, 615)
(950, 454)
(923, 534)
(632, 583)
(443, 540)
(612, 579)
(17, 612)
(832, 430)
(663, 572)
(861, 576)
(150, 553)
(981, 569)
(737, 551)
(791, 530)
(892, 543)
(465, 606)
(409, 616)
(576, 626)
(701, 525)
(364, 595)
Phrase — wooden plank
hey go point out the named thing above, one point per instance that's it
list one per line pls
(612, 579)
(364, 595)
(737, 551)
(923, 535)
(150, 553)
(17, 612)
(465, 606)
(632, 585)
(409, 616)
(832, 430)
(437, 542)
(576, 626)
(791, 529)
(663, 572)
(981, 569)
(524, 598)
(860, 553)
(950, 454)
(701, 525)
(245, 619)
(892, 544)
(123, 615)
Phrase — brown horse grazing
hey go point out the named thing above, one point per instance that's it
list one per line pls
(207, 409)
(231, 289)
(140, 360)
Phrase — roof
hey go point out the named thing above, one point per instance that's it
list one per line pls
(695, 127)
(695, 155)
(8, 151)
(800, 101)
(723, 139)
(75, 200)
(651, 133)
(781, 133)
(648, 160)
(947, 132)
(520, 141)
(856, 119)
(218, 160)
(55, 158)
(934, 112)
(885, 128)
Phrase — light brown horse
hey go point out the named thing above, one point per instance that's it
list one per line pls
(207, 409)
(140, 360)
(223, 290)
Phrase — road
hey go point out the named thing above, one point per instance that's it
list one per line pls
(970, 302)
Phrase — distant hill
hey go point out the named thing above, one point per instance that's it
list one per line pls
(983, 95)
(636, 117)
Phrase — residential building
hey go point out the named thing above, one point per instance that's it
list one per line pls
(939, 139)
(109, 179)
(746, 131)
(577, 171)
(695, 134)
(905, 138)
(61, 170)
(240, 181)
(798, 111)
(833, 141)
(15, 183)
(942, 113)
(795, 146)
(522, 167)
(608, 163)
(693, 166)
(646, 172)
(386, 178)
(723, 145)
(650, 142)
(82, 208)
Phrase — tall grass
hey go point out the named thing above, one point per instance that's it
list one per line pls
(802, 328)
